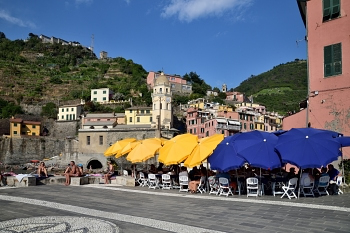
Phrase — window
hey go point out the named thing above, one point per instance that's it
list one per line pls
(148, 111)
(331, 9)
(194, 130)
(150, 119)
(160, 90)
(138, 119)
(104, 92)
(101, 140)
(15, 132)
(33, 134)
(130, 111)
(67, 109)
(332, 60)
(95, 92)
(33, 126)
(72, 109)
(73, 117)
(15, 124)
(62, 109)
(87, 140)
(130, 119)
(104, 98)
(190, 130)
(62, 117)
(95, 99)
(245, 125)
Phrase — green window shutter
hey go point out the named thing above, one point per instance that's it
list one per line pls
(326, 9)
(337, 58)
(327, 61)
(335, 9)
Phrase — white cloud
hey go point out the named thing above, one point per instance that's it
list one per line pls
(6, 16)
(188, 10)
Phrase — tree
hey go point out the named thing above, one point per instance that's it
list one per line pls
(2, 35)
(10, 110)
(49, 110)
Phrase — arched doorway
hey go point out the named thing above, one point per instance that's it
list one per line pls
(95, 164)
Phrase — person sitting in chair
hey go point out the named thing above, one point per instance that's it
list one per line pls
(71, 171)
(333, 175)
(42, 171)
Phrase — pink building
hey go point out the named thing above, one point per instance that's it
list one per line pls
(328, 30)
(235, 96)
(202, 123)
(177, 83)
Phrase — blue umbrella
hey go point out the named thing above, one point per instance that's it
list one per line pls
(258, 149)
(225, 157)
(308, 147)
(344, 141)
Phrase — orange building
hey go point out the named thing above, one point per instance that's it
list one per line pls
(328, 29)
(19, 127)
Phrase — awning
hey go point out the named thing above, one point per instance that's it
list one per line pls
(234, 122)
(221, 120)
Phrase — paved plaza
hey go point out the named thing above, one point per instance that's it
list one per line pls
(107, 208)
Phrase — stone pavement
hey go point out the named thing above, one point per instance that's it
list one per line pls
(106, 208)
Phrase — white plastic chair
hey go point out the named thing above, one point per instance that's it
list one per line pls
(152, 181)
(277, 188)
(307, 187)
(252, 187)
(166, 181)
(214, 186)
(322, 186)
(289, 190)
(183, 183)
(201, 186)
(142, 180)
(224, 187)
(339, 183)
(125, 173)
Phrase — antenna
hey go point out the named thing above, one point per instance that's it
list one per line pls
(298, 41)
(92, 44)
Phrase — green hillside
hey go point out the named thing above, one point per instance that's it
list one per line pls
(280, 89)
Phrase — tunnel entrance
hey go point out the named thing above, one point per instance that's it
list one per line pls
(95, 164)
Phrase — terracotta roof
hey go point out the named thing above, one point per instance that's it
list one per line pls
(16, 120)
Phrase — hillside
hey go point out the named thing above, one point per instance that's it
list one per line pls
(33, 71)
(280, 89)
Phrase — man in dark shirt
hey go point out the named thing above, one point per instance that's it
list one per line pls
(333, 175)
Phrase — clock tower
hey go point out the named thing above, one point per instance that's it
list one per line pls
(161, 103)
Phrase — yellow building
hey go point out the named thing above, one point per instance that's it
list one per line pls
(138, 116)
(19, 127)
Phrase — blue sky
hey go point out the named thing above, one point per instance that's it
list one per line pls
(224, 41)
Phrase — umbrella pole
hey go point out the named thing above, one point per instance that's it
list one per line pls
(342, 165)
(301, 172)
(239, 187)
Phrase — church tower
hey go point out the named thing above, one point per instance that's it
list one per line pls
(161, 103)
(224, 88)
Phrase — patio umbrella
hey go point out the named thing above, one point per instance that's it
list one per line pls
(225, 157)
(344, 141)
(145, 150)
(118, 146)
(204, 148)
(177, 149)
(129, 147)
(308, 147)
(258, 149)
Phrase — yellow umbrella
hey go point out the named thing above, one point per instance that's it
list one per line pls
(144, 150)
(204, 148)
(177, 149)
(118, 146)
(129, 147)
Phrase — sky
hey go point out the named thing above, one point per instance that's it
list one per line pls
(223, 41)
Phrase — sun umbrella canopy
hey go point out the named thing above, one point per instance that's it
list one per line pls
(258, 149)
(344, 141)
(118, 146)
(128, 147)
(177, 149)
(144, 150)
(225, 157)
(308, 147)
(204, 148)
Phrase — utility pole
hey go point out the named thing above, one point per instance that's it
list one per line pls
(92, 45)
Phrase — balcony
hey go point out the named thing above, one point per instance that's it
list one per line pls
(234, 127)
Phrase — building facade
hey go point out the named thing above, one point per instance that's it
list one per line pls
(138, 115)
(69, 112)
(327, 28)
(99, 121)
(176, 82)
(101, 95)
(19, 128)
